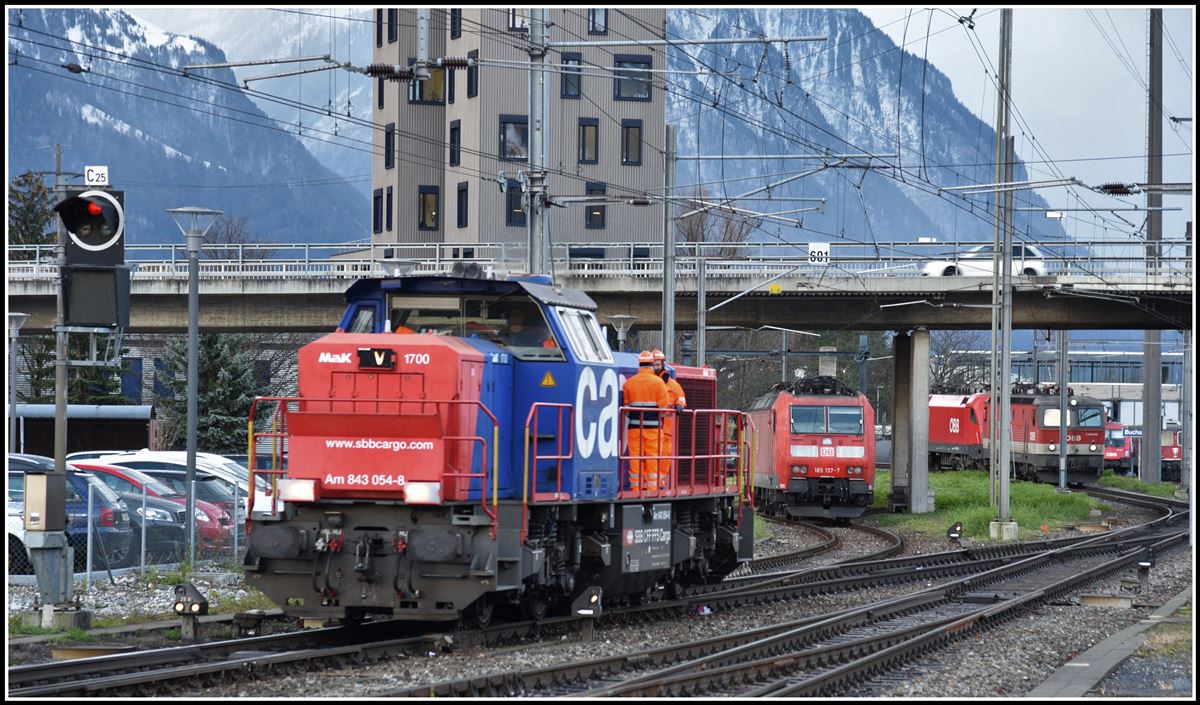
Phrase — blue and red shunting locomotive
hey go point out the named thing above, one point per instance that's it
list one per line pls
(816, 456)
(460, 445)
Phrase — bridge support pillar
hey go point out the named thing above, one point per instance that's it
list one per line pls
(901, 423)
(910, 424)
(920, 497)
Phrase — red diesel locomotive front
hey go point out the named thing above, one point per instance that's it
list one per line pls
(816, 456)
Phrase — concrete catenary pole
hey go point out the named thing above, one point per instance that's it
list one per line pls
(1151, 453)
(668, 299)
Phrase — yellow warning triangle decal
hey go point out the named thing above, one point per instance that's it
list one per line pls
(548, 381)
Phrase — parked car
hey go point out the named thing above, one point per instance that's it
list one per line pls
(213, 523)
(979, 261)
(228, 473)
(110, 514)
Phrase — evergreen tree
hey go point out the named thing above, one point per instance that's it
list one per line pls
(85, 385)
(31, 218)
(226, 387)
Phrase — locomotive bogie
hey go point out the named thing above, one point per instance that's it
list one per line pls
(433, 563)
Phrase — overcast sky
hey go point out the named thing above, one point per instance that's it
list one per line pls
(1073, 85)
(1074, 94)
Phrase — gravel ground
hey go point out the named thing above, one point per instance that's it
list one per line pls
(1033, 646)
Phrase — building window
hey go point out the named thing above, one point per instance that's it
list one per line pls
(514, 137)
(631, 80)
(427, 208)
(379, 93)
(594, 212)
(514, 212)
(450, 86)
(598, 21)
(429, 91)
(393, 25)
(462, 204)
(472, 75)
(388, 208)
(570, 74)
(518, 20)
(631, 142)
(455, 142)
(377, 211)
(379, 28)
(455, 23)
(389, 146)
(589, 140)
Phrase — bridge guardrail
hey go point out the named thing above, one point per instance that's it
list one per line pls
(1099, 258)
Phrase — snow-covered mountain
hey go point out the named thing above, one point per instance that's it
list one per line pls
(168, 140)
(337, 134)
(837, 96)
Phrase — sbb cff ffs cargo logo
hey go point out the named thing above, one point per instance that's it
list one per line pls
(95, 222)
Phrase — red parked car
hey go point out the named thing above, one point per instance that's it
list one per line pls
(213, 524)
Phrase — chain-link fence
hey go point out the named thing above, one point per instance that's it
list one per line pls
(140, 532)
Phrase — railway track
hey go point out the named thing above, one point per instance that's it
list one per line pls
(156, 671)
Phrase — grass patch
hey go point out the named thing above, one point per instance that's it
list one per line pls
(15, 628)
(1170, 640)
(172, 634)
(762, 529)
(963, 496)
(139, 618)
(76, 636)
(155, 577)
(254, 599)
(1156, 489)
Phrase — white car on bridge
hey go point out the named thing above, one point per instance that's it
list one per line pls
(978, 261)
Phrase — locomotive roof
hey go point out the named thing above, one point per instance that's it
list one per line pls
(435, 284)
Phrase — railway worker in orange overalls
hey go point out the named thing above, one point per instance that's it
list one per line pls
(644, 391)
(677, 401)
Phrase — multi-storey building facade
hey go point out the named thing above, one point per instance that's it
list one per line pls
(446, 139)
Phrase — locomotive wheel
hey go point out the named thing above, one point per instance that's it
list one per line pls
(479, 614)
(841, 521)
(535, 606)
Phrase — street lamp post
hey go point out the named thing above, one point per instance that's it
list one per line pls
(622, 323)
(194, 237)
(15, 321)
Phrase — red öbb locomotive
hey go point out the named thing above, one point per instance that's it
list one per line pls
(816, 450)
(959, 429)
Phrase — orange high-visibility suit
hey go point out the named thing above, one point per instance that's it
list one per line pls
(644, 390)
(677, 401)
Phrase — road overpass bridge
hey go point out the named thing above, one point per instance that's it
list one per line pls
(283, 291)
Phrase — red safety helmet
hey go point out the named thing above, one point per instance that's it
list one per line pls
(645, 357)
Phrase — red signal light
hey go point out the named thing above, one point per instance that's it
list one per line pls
(94, 209)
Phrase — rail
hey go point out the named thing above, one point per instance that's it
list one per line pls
(281, 434)
(1088, 257)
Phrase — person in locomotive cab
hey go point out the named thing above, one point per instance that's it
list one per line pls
(518, 331)
(675, 400)
(645, 390)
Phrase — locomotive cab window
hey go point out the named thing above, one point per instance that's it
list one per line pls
(1051, 418)
(808, 419)
(846, 419)
(583, 333)
(363, 321)
(510, 321)
(1089, 417)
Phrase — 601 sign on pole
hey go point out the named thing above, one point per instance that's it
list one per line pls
(818, 253)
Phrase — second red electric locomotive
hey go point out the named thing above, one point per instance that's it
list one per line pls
(816, 449)
(960, 426)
